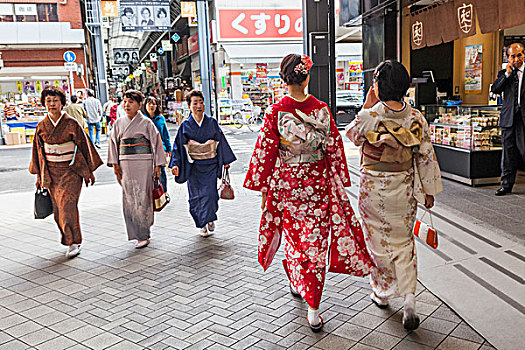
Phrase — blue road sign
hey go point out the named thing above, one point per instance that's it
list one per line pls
(175, 37)
(69, 56)
(160, 50)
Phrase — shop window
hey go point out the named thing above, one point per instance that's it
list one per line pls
(47, 12)
(25, 12)
(6, 13)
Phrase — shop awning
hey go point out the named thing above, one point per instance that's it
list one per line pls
(260, 53)
(49, 72)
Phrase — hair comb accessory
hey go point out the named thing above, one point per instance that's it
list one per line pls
(305, 65)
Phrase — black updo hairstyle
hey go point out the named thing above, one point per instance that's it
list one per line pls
(288, 73)
(392, 79)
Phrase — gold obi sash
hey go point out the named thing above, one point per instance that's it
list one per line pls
(207, 150)
(60, 152)
(391, 147)
(303, 137)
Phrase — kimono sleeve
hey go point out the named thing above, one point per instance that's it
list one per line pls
(426, 164)
(86, 148)
(113, 145)
(179, 157)
(335, 154)
(364, 121)
(225, 153)
(34, 166)
(265, 155)
(165, 135)
(159, 156)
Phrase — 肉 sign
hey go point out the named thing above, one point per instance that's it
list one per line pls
(259, 24)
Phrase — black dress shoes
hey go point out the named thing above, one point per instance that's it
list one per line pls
(502, 191)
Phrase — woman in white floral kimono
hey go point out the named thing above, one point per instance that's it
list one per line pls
(398, 169)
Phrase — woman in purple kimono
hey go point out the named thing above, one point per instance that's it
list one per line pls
(137, 155)
(200, 152)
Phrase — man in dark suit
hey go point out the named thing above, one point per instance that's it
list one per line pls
(512, 116)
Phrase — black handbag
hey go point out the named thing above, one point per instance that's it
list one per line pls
(43, 204)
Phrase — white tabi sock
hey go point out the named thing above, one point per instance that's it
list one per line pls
(313, 316)
(409, 304)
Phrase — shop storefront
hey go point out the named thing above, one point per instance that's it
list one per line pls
(456, 50)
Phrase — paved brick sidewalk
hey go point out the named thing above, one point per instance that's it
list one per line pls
(183, 291)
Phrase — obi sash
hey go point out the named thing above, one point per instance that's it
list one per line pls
(303, 137)
(60, 152)
(135, 145)
(197, 150)
(390, 148)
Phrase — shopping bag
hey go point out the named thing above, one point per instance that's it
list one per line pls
(226, 190)
(426, 233)
(43, 203)
(160, 198)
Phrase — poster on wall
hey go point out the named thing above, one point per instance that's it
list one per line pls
(125, 56)
(120, 70)
(261, 70)
(142, 16)
(473, 68)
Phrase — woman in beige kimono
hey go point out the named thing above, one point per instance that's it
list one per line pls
(398, 169)
(136, 154)
(62, 157)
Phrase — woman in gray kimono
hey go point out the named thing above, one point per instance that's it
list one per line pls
(136, 154)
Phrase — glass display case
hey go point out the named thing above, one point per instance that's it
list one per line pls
(467, 141)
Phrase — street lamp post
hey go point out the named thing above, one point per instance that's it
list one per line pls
(204, 52)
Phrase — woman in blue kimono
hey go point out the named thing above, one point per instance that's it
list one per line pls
(199, 153)
(151, 109)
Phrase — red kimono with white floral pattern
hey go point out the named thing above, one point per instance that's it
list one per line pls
(306, 197)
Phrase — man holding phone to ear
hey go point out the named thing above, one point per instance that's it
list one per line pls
(512, 116)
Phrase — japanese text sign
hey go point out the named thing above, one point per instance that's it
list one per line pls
(253, 24)
(109, 8)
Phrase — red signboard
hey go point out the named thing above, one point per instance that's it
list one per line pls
(193, 43)
(253, 24)
(261, 70)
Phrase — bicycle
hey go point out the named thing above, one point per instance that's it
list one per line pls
(251, 119)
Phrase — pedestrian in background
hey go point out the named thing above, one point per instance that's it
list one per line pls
(106, 112)
(63, 157)
(93, 108)
(137, 156)
(152, 111)
(299, 165)
(76, 111)
(200, 152)
(398, 169)
(512, 116)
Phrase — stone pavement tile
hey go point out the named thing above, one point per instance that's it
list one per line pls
(438, 325)
(218, 347)
(37, 311)
(352, 331)
(444, 312)
(4, 337)
(245, 343)
(154, 339)
(486, 346)
(367, 320)
(291, 339)
(85, 332)
(453, 343)
(12, 320)
(406, 344)
(175, 343)
(58, 343)
(464, 331)
(243, 332)
(383, 313)
(334, 342)
(23, 329)
(131, 336)
(68, 325)
(380, 340)
(78, 347)
(125, 345)
(39, 336)
(266, 345)
(360, 346)
(102, 341)
(393, 328)
(51, 318)
(14, 345)
(426, 337)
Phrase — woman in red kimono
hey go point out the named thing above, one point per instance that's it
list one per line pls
(299, 165)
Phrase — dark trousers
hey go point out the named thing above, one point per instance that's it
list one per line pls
(513, 141)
